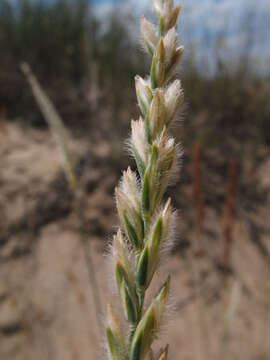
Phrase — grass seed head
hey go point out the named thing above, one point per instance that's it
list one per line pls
(145, 222)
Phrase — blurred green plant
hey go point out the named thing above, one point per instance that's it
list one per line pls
(52, 35)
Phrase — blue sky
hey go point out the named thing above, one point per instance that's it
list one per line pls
(243, 24)
(101, 1)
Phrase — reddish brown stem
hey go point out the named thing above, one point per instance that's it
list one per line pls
(197, 193)
(229, 212)
(3, 120)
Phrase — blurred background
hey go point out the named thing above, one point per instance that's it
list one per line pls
(53, 232)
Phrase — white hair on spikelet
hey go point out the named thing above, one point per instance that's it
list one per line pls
(147, 223)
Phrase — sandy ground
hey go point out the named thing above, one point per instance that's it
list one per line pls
(47, 307)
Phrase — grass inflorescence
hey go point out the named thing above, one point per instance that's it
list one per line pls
(146, 221)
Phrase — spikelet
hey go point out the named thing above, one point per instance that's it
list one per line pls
(146, 223)
(174, 98)
(114, 336)
(149, 35)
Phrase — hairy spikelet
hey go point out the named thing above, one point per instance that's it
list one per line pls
(146, 222)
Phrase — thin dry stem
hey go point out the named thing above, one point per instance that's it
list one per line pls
(228, 219)
(197, 195)
(61, 135)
